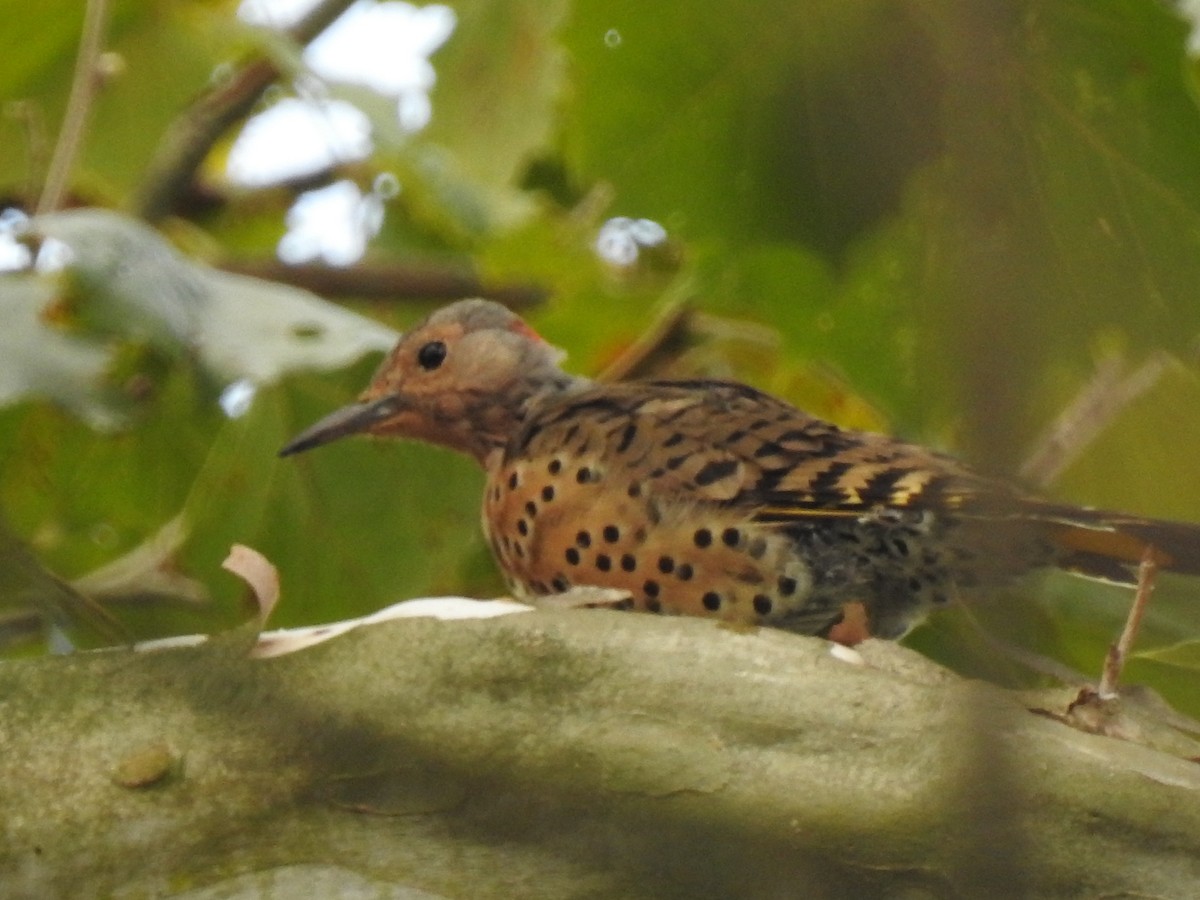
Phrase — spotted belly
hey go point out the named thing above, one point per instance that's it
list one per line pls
(558, 525)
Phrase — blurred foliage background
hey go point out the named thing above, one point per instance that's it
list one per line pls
(973, 224)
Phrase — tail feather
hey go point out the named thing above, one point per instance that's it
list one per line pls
(1092, 540)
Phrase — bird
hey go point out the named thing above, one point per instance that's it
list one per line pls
(711, 498)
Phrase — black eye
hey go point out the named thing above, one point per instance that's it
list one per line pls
(431, 355)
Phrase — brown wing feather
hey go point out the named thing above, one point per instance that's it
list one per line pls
(794, 466)
(728, 444)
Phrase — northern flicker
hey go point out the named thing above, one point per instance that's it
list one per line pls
(711, 498)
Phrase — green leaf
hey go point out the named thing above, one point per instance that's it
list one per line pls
(131, 281)
(499, 79)
(800, 123)
(1185, 655)
(42, 361)
(157, 57)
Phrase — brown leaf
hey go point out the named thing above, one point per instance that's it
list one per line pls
(257, 571)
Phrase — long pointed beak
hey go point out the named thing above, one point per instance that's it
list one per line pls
(354, 419)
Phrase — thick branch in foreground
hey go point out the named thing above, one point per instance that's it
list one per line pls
(572, 754)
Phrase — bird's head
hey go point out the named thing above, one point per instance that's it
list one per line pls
(463, 378)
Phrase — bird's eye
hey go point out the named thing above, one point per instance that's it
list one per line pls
(431, 355)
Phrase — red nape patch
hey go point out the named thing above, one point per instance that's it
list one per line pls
(520, 326)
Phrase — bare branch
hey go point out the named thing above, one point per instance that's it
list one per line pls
(1109, 392)
(79, 105)
(190, 137)
(383, 281)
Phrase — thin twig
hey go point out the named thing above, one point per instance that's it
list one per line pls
(1114, 661)
(380, 281)
(79, 105)
(29, 116)
(1108, 393)
(190, 137)
(636, 361)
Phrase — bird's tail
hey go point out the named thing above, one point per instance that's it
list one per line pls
(1109, 545)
